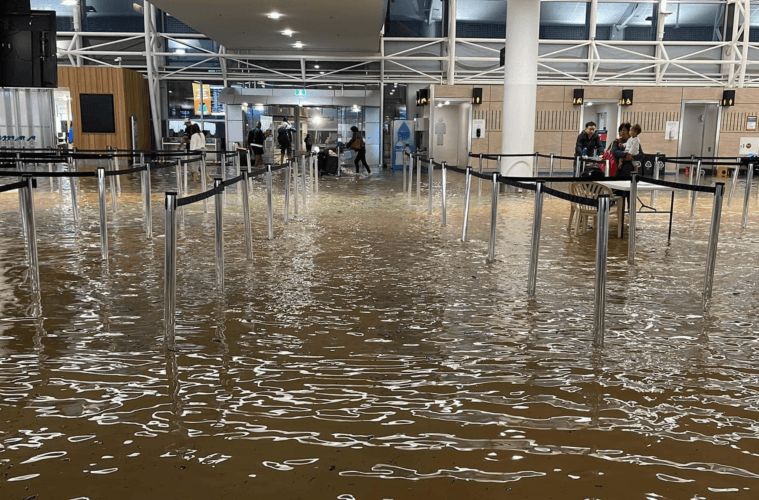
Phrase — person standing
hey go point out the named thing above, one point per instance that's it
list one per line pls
(285, 140)
(625, 159)
(309, 143)
(198, 145)
(358, 146)
(256, 143)
(588, 142)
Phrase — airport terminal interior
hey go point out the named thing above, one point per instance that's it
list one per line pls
(379, 249)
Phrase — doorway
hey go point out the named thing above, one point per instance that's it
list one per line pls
(451, 131)
(699, 132)
(605, 113)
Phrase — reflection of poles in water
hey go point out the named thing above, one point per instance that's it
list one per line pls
(593, 394)
(227, 382)
(174, 387)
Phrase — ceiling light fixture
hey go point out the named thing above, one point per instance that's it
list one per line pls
(317, 66)
(298, 44)
(245, 104)
(321, 72)
(274, 15)
(288, 32)
(447, 103)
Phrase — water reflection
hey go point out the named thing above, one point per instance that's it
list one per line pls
(366, 343)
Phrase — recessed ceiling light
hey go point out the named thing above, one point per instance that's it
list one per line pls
(298, 45)
(321, 72)
(330, 86)
(317, 66)
(274, 15)
(447, 103)
(288, 32)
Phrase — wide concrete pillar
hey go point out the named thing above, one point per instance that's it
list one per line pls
(520, 86)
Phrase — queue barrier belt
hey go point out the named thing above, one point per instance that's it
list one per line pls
(679, 185)
(189, 200)
(19, 173)
(14, 186)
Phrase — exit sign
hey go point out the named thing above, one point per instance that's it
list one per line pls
(300, 92)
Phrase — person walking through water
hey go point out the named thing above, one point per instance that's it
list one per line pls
(358, 146)
(285, 140)
(256, 142)
(309, 143)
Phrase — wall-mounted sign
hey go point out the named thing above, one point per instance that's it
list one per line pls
(671, 131)
(478, 129)
(300, 92)
(751, 123)
(205, 99)
(749, 145)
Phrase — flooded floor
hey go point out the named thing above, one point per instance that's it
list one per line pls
(367, 353)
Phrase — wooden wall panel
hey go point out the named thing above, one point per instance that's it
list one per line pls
(138, 105)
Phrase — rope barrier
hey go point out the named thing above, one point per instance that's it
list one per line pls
(114, 173)
(280, 167)
(570, 197)
(679, 185)
(232, 181)
(19, 173)
(188, 200)
(12, 187)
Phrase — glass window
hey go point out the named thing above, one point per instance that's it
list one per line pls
(173, 25)
(694, 22)
(113, 15)
(414, 18)
(481, 19)
(564, 21)
(626, 21)
(192, 46)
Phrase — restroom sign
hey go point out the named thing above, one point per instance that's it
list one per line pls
(749, 145)
(300, 92)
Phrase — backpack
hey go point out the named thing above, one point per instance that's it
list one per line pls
(283, 137)
(258, 137)
(612, 163)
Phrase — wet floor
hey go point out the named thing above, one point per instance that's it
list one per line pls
(367, 353)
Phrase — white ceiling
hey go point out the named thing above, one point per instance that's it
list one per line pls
(324, 26)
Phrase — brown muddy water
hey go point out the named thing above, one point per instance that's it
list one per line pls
(367, 353)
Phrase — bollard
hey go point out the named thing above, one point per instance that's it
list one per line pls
(602, 250)
(287, 194)
(467, 191)
(403, 164)
(170, 271)
(633, 218)
(735, 181)
(116, 168)
(112, 185)
(246, 215)
(655, 173)
(419, 181)
(445, 208)
(219, 210)
(412, 160)
(493, 217)
(749, 179)
(291, 164)
(479, 180)
(711, 257)
(537, 220)
(269, 213)
(103, 217)
(694, 194)
(148, 203)
(27, 196)
(203, 182)
(430, 179)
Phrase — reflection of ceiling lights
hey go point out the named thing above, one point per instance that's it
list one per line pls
(298, 44)
(288, 32)
(137, 7)
(274, 15)
(317, 120)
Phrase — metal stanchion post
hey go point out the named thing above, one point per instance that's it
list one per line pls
(444, 189)
(633, 218)
(316, 173)
(749, 179)
(305, 184)
(170, 271)
(479, 180)
(537, 220)
(178, 174)
(52, 183)
(690, 171)
(116, 168)
(431, 178)
(412, 160)
(467, 191)
(203, 182)
(656, 176)
(246, 215)
(537, 160)
(112, 186)
(403, 164)
(103, 216)
(602, 250)
(148, 204)
(694, 194)
(287, 194)
(711, 258)
(183, 169)
(735, 180)
(493, 218)
(269, 213)
(74, 204)
(419, 181)
(294, 166)
(219, 211)
(608, 167)
(550, 172)
(27, 195)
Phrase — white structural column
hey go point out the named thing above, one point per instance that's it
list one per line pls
(150, 34)
(520, 86)
(452, 5)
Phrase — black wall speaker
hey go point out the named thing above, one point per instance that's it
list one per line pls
(728, 98)
(477, 96)
(579, 96)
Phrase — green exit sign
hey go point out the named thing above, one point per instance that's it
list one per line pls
(300, 92)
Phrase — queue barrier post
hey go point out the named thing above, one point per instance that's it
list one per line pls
(305, 183)
(656, 176)
(74, 203)
(694, 194)
(747, 196)
(479, 180)
(633, 218)
(269, 213)
(219, 212)
(467, 192)
(291, 164)
(103, 215)
(550, 172)
(493, 218)
(287, 194)
(444, 200)
(735, 181)
(112, 185)
(537, 160)
(412, 160)
(418, 181)
(27, 196)
(403, 165)
(170, 271)
(535, 247)
(430, 180)
(602, 250)
(246, 215)
(203, 182)
(315, 168)
(711, 258)
(52, 181)
(116, 168)
(147, 202)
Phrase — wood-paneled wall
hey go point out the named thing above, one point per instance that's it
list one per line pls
(130, 98)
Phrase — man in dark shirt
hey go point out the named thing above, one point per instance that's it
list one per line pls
(588, 142)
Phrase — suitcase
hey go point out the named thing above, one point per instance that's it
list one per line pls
(327, 164)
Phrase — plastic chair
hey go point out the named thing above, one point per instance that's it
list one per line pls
(582, 213)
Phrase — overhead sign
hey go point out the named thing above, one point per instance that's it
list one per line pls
(300, 92)
(205, 99)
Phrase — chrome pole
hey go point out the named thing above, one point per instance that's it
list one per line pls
(418, 181)
(711, 258)
(735, 181)
(412, 160)
(287, 194)
(690, 172)
(112, 186)
(749, 179)
(537, 220)
(269, 213)
(656, 176)
(219, 211)
(27, 195)
(550, 173)
(403, 164)
(445, 208)
(74, 204)
(52, 181)
(178, 173)
(467, 191)
(170, 271)
(116, 168)
(183, 168)
(537, 160)
(246, 215)
(602, 249)
(479, 180)
(633, 218)
(431, 178)
(203, 182)
(608, 167)
(291, 164)
(305, 184)
(694, 194)
(493, 218)
(148, 204)
(103, 216)
(316, 173)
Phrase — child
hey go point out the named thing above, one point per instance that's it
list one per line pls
(632, 146)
